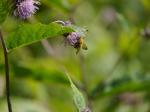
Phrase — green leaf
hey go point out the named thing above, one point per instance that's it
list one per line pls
(78, 96)
(27, 34)
(120, 86)
(4, 9)
(39, 70)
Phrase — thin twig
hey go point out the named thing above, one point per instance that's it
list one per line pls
(84, 81)
(6, 72)
(122, 55)
(96, 90)
(47, 47)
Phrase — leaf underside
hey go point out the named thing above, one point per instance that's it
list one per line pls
(27, 34)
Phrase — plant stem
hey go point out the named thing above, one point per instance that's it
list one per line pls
(84, 81)
(6, 72)
(48, 47)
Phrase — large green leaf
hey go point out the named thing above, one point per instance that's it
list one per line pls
(39, 70)
(3, 10)
(27, 34)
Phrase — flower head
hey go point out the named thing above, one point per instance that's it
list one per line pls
(73, 38)
(76, 38)
(77, 41)
(26, 8)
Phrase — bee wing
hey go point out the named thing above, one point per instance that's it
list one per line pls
(84, 46)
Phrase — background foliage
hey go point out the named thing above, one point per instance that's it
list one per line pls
(113, 75)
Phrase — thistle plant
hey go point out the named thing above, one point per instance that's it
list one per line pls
(27, 33)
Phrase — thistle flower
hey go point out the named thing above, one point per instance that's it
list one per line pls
(73, 38)
(26, 8)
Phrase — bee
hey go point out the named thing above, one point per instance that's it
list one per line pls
(80, 44)
(74, 39)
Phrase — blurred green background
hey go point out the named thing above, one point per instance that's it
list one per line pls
(115, 69)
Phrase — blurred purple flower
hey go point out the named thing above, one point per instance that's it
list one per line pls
(26, 8)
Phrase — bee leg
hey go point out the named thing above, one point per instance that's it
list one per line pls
(78, 49)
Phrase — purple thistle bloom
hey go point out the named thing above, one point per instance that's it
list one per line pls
(73, 38)
(26, 8)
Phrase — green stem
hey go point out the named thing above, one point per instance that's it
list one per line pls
(84, 82)
(6, 72)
